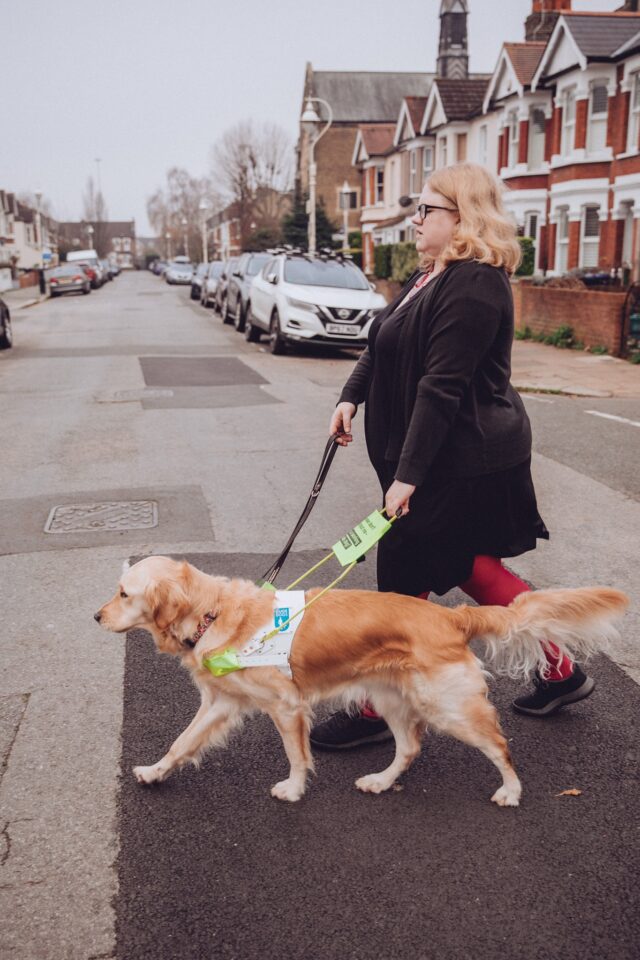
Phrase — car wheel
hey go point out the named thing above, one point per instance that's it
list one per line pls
(6, 335)
(226, 312)
(239, 319)
(277, 343)
(251, 332)
(86, 290)
(194, 293)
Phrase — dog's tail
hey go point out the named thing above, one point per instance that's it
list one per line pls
(578, 622)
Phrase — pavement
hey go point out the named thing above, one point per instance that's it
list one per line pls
(22, 297)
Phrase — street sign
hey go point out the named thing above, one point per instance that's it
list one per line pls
(46, 256)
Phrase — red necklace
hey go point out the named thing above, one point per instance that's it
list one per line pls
(420, 282)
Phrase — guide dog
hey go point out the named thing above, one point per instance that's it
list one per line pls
(410, 658)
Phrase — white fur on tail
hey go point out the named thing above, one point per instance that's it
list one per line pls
(579, 622)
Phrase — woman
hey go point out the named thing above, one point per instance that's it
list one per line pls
(446, 433)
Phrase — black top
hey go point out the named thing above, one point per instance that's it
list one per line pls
(435, 375)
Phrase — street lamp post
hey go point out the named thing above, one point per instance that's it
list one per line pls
(167, 238)
(40, 246)
(203, 207)
(310, 121)
(185, 223)
(90, 236)
(345, 199)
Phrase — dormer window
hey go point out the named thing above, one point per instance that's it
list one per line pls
(598, 110)
(568, 122)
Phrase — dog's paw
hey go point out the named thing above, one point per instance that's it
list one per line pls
(152, 774)
(507, 797)
(287, 790)
(373, 783)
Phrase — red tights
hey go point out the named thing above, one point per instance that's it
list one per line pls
(491, 584)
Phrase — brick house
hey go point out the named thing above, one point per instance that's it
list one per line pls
(24, 234)
(115, 239)
(225, 233)
(591, 69)
(356, 98)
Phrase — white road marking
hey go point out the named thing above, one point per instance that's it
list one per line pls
(611, 416)
(527, 396)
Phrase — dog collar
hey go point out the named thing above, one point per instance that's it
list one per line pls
(201, 629)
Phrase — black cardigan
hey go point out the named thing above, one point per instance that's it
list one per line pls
(454, 412)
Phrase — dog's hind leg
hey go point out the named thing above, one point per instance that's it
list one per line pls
(474, 720)
(293, 727)
(210, 725)
(407, 730)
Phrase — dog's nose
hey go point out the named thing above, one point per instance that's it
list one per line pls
(97, 617)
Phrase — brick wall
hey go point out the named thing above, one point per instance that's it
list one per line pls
(333, 156)
(596, 317)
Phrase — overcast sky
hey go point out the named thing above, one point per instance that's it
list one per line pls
(148, 84)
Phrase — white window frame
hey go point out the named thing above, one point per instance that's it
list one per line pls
(527, 221)
(568, 140)
(442, 151)
(379, 185)
(633, 130)
(414, 190)
(483, 145)
(589, 243)
(562, 240)
(597, 122)
(513, 126)
(534, 162)
(627, 236)
(427, 162)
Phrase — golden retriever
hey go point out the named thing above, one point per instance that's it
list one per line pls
(408, 657)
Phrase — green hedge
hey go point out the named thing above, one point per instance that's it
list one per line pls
(404, 261)
(527, 264)
(382, 258)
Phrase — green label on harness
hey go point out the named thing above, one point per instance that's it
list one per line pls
(363, 536)
(222, 663)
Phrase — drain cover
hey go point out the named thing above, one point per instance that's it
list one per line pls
(111, 515)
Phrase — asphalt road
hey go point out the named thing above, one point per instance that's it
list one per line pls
(135, 394)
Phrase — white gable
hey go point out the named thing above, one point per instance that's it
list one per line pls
(503, 83)
(404, 127)
(434, 115)
(561, 53)
(359, 151)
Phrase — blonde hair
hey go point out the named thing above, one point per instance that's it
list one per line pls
(485, 233)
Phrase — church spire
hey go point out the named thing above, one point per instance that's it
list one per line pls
(453, 53)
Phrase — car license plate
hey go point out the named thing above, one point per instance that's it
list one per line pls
(65, 280)
(347, 329)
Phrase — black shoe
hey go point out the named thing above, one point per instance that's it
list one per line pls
(549, 696)
(345, 730)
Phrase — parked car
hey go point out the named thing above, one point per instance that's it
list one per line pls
(245, 270)
(319, 300)
(108, 269)
(179, 271)
(196, 280)
(159, 266)
(6, 335)
(90, 259)
(69, 278)
(220, 299)
(210, 282)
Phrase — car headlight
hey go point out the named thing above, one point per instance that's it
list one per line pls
(301, 305)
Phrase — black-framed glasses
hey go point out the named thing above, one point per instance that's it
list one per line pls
(423, 209)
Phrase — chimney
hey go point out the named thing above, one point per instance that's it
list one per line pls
(542, 19)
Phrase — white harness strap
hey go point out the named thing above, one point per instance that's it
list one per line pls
(275, 652)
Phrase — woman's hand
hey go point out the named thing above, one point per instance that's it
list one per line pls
(398, 495)
(341, 422)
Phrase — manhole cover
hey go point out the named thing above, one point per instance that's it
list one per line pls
(112, 515)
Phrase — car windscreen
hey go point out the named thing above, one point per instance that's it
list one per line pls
(324, 273)
(256, 264)
(182, 267)
(215, 269)
(70, 271)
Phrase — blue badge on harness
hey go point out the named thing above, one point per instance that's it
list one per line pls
(280, 617)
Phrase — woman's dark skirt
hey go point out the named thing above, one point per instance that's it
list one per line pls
(451, 521)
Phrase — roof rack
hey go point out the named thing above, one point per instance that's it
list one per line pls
(325, 253)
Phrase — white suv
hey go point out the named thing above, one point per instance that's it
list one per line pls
(297, 298)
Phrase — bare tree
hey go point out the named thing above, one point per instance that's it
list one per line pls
(95, 212)
(178, 201)
(253, 164)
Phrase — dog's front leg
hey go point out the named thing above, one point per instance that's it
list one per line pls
(211, 723)
(293, 727)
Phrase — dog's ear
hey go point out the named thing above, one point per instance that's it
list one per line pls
(168, 602)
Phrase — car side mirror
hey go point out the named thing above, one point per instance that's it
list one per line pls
(272, 278)
(372, 285)
(236, 273)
